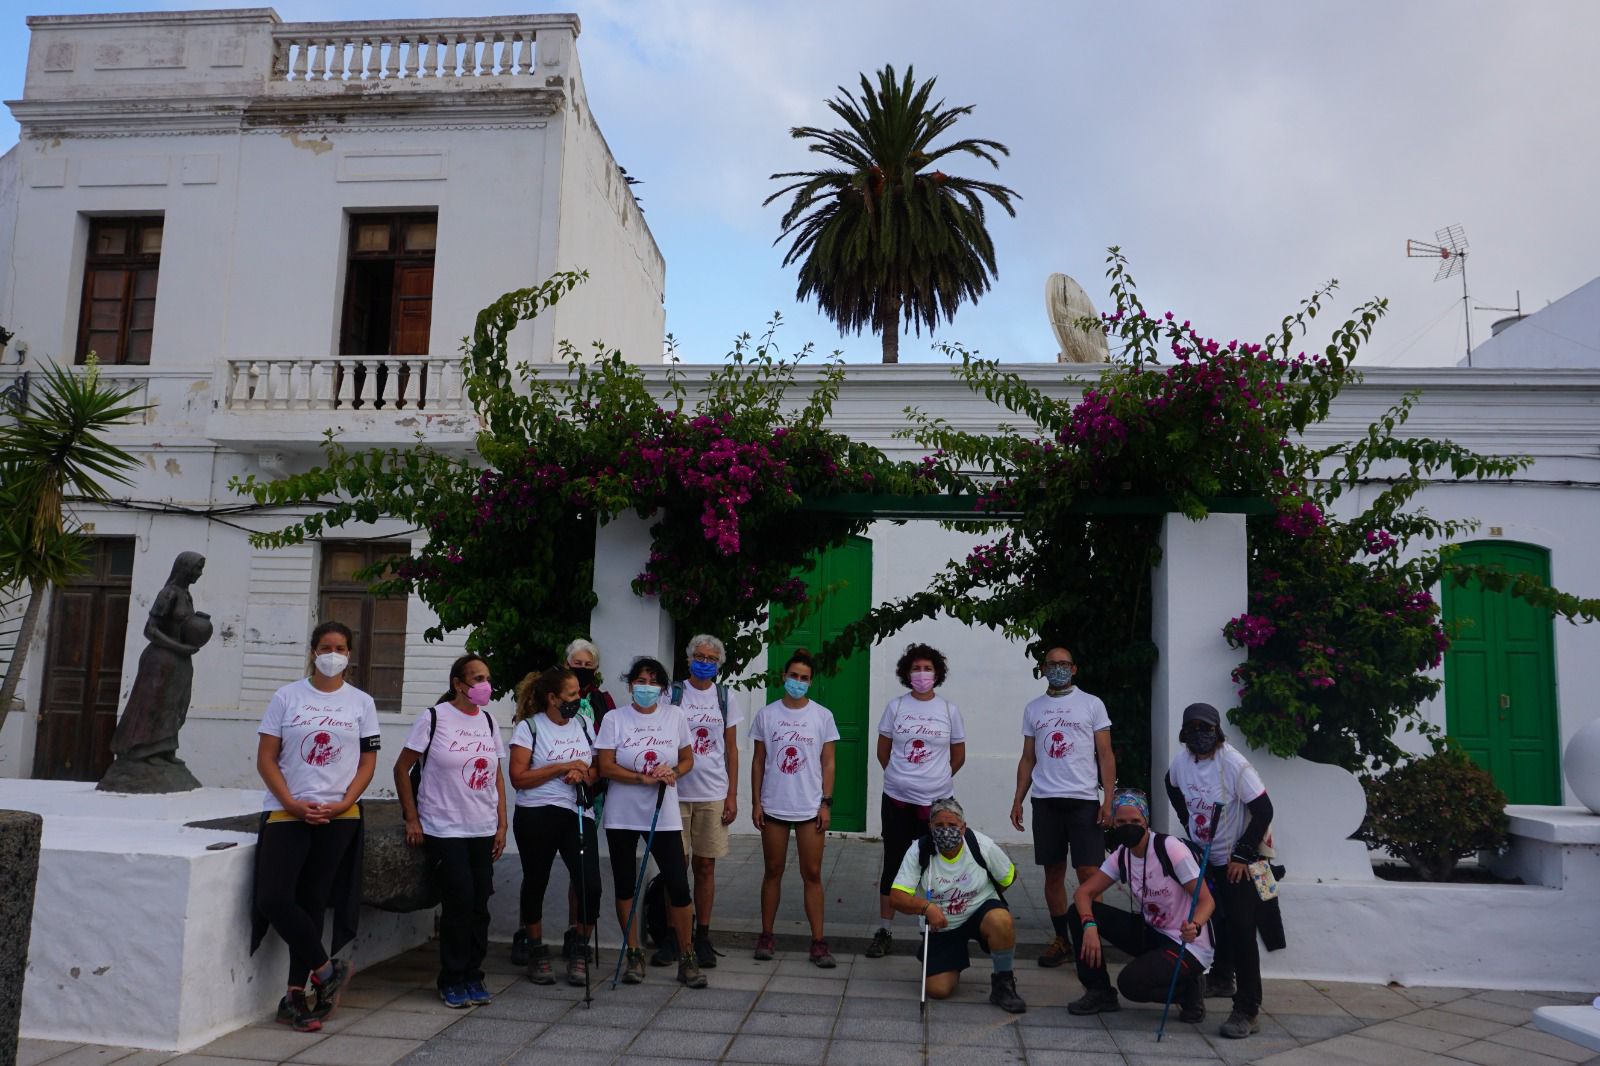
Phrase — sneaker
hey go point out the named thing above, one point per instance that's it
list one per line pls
(539, 971)
(329, 990)
(1220, 987)
(570, 941)
(1096, 1001)
(477, 995)
(766, 946)
(1192, 1002)
(1003, 993)
(455, 997)
(1238, 1026)
(704, 953)
(578, 966)
(882, 944)
(519, 948)
(1057, 953)
(666, 951)
(633, 972)
(689, 974)
(296, 1013)
(821, 957)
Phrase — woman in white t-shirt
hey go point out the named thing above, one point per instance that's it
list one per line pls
(791, 787)
(459, 814)
(317, 748)
(922, 745)
(552, 768)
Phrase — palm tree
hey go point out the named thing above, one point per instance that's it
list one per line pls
(54, 452)
(883, 236)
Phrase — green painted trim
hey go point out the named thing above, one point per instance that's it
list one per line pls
(950, 507)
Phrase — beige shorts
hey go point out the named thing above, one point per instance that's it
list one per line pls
(704, 835)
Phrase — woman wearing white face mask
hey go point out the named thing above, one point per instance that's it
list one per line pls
(317, 749)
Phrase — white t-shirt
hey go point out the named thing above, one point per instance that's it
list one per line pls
(458, 797)
(551, 743)
(1226, 776)
(791, 781)
(642, 742)
(321, 734)
(708, 781)
(1063, 729)
(921, 732)
(956, 886)
(1162, 901)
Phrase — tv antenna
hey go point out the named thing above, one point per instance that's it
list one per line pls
(1450, 248)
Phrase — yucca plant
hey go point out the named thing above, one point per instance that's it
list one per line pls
(885, 235)
(54, 452)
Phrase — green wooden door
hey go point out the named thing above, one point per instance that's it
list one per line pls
(1499, 676)
(845, 691)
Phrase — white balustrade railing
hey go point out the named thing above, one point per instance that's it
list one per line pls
(396, 383)
(390, 50)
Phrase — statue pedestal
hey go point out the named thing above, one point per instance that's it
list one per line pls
(140, 778)
(141, 936)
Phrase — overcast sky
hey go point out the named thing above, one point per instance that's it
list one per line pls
(1241, 154)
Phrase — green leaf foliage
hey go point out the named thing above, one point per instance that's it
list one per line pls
(1435, 811)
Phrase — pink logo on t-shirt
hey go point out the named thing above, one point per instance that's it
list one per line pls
(1153, 915)
(957, 904)
(702, 741)
(1202, 827)
(792, 761)
(320, 749)
(918, 753)
(477, 774)
(647, 764)
(1059, 746)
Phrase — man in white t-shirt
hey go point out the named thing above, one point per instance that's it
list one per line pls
(1067, 763)
(708, 796)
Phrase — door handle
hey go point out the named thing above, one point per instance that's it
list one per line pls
(1505, 702)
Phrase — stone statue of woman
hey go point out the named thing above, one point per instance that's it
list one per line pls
(146, 740)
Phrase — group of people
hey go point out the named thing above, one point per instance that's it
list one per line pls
(661, 770)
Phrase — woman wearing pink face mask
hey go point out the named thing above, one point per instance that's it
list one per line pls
(458, 812)
(921, 745)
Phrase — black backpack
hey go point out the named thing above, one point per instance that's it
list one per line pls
(675, 697)
(656, 926)
(422, 756)
(925, 851)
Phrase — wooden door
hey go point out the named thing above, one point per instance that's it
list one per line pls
(1499, 676)
(845, 691)
(83, 666)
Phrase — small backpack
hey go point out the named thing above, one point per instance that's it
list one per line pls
(587, 793)
(676, 698)
(925, 851)
(656, 925)
(422, 756)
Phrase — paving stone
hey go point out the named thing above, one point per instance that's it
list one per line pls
(1460, 1024)
(457, 1053)
(1074, 1058)
(796, 1051)
(994, 1033)
(1532, 1000)
(973, 1056)
(217, 1060)
(882, 989)
(346, 1050)
(1170, 1060)
(874, 1053)
(698, 1021)
(1061, 1038)
(425, 1000)
(1473, 1007)
(94, 1055)
(273, 1045)
(404, 1024)
(663, 1044)
(1307, 1027)
(1404, 1034)
(549, 1057)
(494, 1030)
(1487, 1053)
(879, 1030)
(775, 1023)
(715, 999)
(752, 982)
(1544, 1043)
(1239, 1052)
(1137, 1042)
(1430, 996)
(370, 994)
(889, 1009)
(804, 986)
(568, 1037)
(518, 1008)
(1375, 1052)
(148, 1058)
(788, 1003)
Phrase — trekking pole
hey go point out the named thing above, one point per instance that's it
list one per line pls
(922, 919)
(1194, 901)
(633, 904)
(582, 796)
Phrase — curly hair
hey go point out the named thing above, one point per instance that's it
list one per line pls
(643, 665)
(803, 657)
(534, 691)
(902, 669)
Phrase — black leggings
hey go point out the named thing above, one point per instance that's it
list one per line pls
(296, 865)
(903, 825)
(668, 852)
(464, 869)
(1238, 954)
(542, 833)
(1147, 977)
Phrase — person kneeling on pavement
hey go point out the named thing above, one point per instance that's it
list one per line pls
(962, 875)
(1158, 930)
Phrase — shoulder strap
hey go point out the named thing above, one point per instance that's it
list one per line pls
(977, 857)
(925, 851)
(722, 703)
(1159, 842)
(675, 693)
(433, 726)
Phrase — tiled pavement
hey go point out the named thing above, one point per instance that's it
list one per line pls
(865, 1011)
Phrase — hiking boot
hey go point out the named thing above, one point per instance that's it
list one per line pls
(689, 974)
(570, 941)
(882, 944)
(704, 953)
(1057, 953)
(519, 948)
(821, 957)
(1238, 1026)
(478, 995)
(766, 946)
(329, 989)
(539, 970)
(1220, 987)
(1192, 1002)
(296, 1013)
(455, 996)
(1096, 1001)
(633, 972)
(1003, 993)
(578, 966)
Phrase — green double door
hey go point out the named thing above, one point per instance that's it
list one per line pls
(844, 692)
(1499, 676)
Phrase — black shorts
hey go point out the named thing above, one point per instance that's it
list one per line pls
(1058, 823)
(666, 849)
(947, 948)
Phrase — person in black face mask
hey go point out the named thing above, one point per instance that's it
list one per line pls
(552, 768)
(1160, 873)
(1219, 797)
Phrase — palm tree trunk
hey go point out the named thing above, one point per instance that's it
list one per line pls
(890, 329)
(30, 619)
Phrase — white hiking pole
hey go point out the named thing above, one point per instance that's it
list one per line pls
(582, 795)
(922, 919)
(1194, 901)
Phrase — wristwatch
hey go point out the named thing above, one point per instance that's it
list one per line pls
(827, 801)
